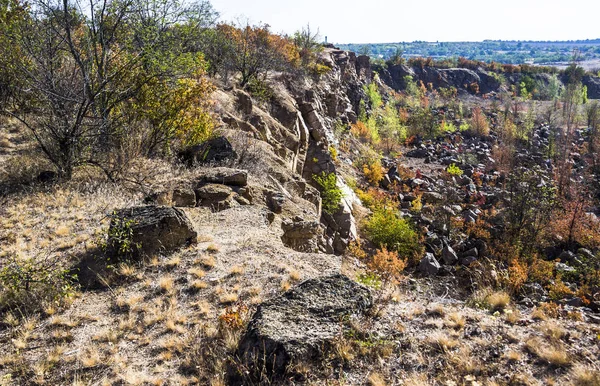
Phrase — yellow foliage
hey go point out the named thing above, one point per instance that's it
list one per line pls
(373, 172)
(179, 111)
(517, 275)
(387, 263)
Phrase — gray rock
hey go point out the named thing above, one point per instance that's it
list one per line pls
(299, 324)
(562, 267)
(449, 256)
(432, 197)
(586, 253)
(417, 153)
(244, 102)
(149, 230)
(466, 261)
(567, 256)
(225, 176)
(210, 193)
(575, 302)
(470, 253)
(534, 291)
(301, 235)
(429, 265)
(184, 197)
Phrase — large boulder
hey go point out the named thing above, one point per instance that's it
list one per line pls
(301, 323)
(212, 151)
(149, 230)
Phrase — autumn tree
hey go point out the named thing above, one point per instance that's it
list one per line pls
(88, 70)
(255, 51)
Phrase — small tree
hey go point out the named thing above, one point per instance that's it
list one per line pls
(331, 194)
(307, 44)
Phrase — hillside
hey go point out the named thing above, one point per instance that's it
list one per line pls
(314, 218)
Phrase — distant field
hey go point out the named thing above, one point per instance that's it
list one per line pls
(514, 52)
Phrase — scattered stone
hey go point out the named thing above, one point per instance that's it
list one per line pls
(575, 302)
(429, 265)
(449, 256)
(470, 253)
(467, 261)
(432, 197)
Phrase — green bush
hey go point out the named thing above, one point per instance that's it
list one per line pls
(119, 239)
(331, 195)
(30, 284)
(454, 170)
(447, 127)
(386, 229)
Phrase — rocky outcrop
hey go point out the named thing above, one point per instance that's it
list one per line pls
(300, 324)
(460, 78)
(222, 188)
(149, 230)
(297, 122)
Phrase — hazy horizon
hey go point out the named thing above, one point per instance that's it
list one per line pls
(351, 22)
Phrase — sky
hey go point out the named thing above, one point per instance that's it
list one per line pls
(381, 21)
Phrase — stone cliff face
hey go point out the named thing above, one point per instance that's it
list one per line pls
(297, 122)
(460, 78)
(463, 78)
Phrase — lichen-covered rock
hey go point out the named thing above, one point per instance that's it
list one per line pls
(299, 324)
(149, 230)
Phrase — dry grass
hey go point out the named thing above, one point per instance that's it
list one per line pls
(376, 379)
(237, 270)
(213, 248)
(197, 272)
(228, 298)
(584, 376)
(436, 310)
(173, 262)
(554, 354)
(512, 356)
(456, 320)
(344, 350)
(441, 341)
(166, 283)
(90, 357)
(552, 330)
(285, 285)
(294, 275)
(512, 316)
(208, 262)
(198, 285)
(498, 300)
